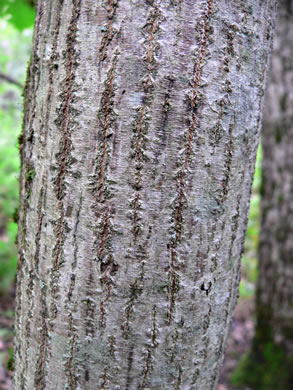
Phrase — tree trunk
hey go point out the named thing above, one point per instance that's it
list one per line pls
(270, 364)
(140, 132)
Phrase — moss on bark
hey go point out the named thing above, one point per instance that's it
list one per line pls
(267, 366)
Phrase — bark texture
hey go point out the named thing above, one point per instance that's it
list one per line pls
(270, 363)
(139, 140)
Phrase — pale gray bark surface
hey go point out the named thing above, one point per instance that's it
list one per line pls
(140, 134)
(275, 290)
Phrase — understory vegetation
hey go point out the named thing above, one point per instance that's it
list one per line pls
(14, 53)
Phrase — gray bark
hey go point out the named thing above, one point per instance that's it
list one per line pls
(140, 132)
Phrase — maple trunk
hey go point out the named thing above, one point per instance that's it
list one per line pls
(140, 132)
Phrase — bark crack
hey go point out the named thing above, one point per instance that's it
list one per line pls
(53, 67)
(129, 367)
(39, 225)
(71, 366)
(135, 291)
(141, 123)
(40, 372)
(149, 353)
(106, 114)
(63, 155)
(107, 283)
(180, 199)
(75, 233)
(179, 377)
(110, 32)
(228, 163)
(105, 379)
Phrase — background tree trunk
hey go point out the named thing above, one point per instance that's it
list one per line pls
(140, 132)
(270, 364)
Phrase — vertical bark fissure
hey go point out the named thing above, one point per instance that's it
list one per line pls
(71, 307)
(34, 273)
(105, 379)
(90, 308)
(112, 6)
(228, 164)
(75, 242)
(107, 284)
(39, 225)
(140, 126)
(141, 122)
(179, 378)
(149, 352)
(106, 111)
(72, 380)
(129, 367)
(40, 367)
(30, 267)
(135, 291)
(64, 125)
(104, 234)
(64, 152)
(166, 107)
(52, 72)
(105, 257)
(173, 277)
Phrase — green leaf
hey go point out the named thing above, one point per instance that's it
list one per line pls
(20, 13)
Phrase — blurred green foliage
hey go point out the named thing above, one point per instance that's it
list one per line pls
(20, 13)
(273, 370)
(15, 48)
(249, 258)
